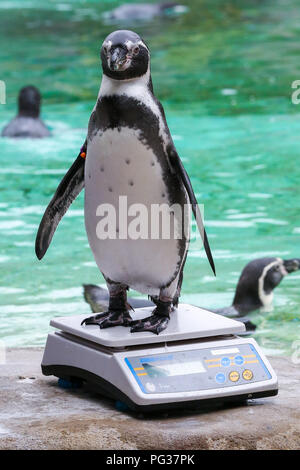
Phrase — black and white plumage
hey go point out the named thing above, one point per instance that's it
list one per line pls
(27, 123)
(254, 289)
(130, 153)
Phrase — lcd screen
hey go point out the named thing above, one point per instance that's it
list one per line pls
(174, 369)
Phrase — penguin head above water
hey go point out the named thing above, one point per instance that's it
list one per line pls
(258, 280)
(29, 102)
(124, 55)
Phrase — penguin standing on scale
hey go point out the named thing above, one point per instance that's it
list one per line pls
(129, 152)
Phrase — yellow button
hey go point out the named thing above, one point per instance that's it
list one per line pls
(247, 374)
(234, 376)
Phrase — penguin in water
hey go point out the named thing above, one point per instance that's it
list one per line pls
(256, 284)
(27, 123)
(129, 152)
(253, 291)
(142, 11)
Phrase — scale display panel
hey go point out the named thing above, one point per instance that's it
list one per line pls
(198, 369)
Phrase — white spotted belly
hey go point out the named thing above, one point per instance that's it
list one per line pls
(118, 165)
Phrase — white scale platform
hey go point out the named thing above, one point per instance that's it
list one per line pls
(186, 322)
(197, 359)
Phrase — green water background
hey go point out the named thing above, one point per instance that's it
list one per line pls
(223, 72)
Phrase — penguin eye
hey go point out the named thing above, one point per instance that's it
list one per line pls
(136, 50)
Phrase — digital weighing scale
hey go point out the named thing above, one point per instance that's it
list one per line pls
(196, 360)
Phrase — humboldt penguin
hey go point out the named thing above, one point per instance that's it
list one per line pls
(253, 291)
(256, 284)
(27, 123)
(129, 153)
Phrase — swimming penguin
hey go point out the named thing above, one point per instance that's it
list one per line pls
(27, 123)
(129, 153)
(256, 284)
(254, 289)
(142, 11)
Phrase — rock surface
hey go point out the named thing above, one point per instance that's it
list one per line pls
(36, 414)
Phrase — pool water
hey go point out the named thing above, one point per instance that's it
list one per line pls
(223, 71)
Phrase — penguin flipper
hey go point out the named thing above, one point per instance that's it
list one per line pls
(68, 189)
(177, 165)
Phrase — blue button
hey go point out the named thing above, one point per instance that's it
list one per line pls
(239, 360)
(225, 361)
(220, 378)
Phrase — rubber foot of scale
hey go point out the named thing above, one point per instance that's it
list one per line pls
(121, 406)
(69, 384)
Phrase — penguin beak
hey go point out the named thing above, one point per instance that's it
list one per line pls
(118, 59)
(292, 265)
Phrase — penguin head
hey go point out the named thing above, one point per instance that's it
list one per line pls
(258, 280)
(124, 55)
(29, 102)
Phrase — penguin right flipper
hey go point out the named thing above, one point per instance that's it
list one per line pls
(68, 189)
(176, 164)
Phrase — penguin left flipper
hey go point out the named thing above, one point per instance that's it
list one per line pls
(177, 166)
(68, 189)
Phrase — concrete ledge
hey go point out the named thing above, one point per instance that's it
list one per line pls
(36, 414)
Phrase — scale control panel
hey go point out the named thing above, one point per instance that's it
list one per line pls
(198, 369)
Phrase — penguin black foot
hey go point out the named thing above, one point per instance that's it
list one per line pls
(109, 319)
(157, 322)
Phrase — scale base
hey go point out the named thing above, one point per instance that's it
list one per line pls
(198, 360)
(108, 390)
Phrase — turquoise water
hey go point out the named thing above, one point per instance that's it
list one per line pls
(240, 147)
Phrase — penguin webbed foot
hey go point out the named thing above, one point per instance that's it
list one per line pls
(157, 322)
(109, 319)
